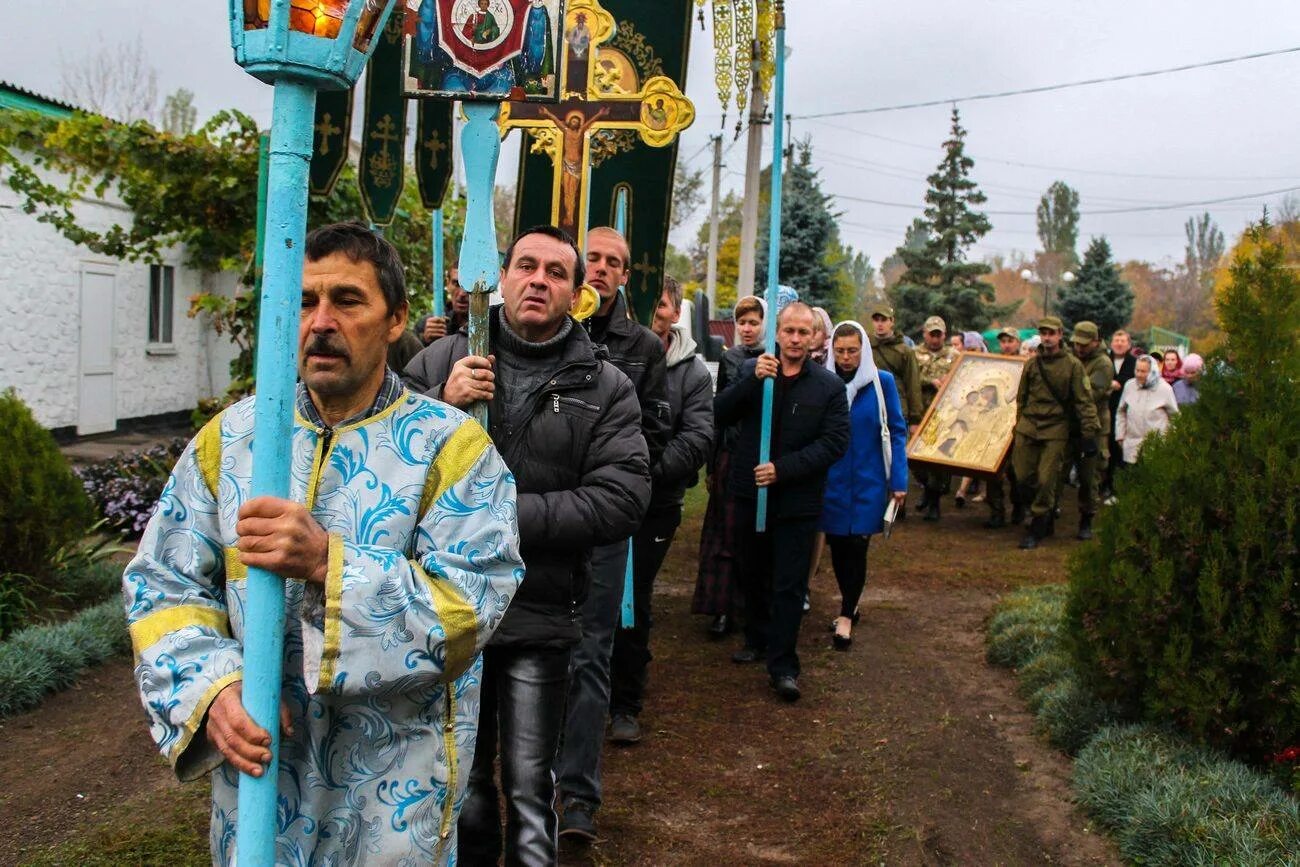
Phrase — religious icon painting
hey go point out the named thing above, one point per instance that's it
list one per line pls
(490, 50)
(970, 425)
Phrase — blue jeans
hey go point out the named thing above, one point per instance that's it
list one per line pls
(584, 729)
(522, 709)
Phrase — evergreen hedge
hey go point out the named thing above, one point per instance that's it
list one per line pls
(1165, 800)
(1185, 609)
(43, 659)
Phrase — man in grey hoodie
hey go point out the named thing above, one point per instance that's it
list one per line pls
(690, 399)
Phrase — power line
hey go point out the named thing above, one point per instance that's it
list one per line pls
(1047, 88)
(931, 148)
(1169, 206)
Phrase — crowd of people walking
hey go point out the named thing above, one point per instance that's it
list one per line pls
(475, 611)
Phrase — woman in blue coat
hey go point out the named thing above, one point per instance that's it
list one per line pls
(874, 470)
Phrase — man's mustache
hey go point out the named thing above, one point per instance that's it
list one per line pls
(324, 344)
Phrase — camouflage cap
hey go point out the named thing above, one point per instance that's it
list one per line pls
(1010, 332)
(883, 309)
(1085, 332)
(1050, 322)
(935, 323)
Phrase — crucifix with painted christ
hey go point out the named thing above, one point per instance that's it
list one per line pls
(599, 91)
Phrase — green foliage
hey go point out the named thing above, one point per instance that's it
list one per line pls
(1170, 803)
(197, 189)
(42, 659)
(938, 280)
(808, 229)
(1058, 221)
(1186, 608)
(1099, 295)
(1069, 713)
(43, 507)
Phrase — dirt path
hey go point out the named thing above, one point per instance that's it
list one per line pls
(908, 749)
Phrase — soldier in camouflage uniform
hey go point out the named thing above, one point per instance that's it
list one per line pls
(893, 354)
(1009, 344)
(1054, 393)
(934, 359)
(1099, 370)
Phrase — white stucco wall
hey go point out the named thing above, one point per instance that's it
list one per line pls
(40, 286)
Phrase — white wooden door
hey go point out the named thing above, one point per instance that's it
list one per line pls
(96, 397)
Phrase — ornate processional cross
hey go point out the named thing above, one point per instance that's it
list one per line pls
(594, 98)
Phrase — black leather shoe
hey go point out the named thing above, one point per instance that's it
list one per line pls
(1085, 528)
(720, 626)
(932, 511)
(996, 521)
(747, 655)
(1029, 543)
(787, 688)
(578, 822)
(624, 729)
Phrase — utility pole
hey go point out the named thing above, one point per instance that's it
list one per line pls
(753, 168)
(711, 282)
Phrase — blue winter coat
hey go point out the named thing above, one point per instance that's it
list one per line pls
(856, 493)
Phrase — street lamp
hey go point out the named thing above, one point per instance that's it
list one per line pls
(1028, 276)
(299, 46)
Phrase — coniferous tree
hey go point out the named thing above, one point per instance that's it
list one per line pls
(939, 279)
(1186, 609)
(808, 228)
(1098, 295)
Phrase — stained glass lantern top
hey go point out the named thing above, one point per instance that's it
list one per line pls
(324, 42)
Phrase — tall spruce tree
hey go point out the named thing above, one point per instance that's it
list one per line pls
(939, 280)
(808, 228)
(1099, 295)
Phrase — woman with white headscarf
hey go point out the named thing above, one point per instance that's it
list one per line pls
(1146, 406)
(872, 472)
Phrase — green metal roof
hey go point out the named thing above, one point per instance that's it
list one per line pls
(15, 98)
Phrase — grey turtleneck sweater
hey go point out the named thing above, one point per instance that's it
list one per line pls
(521, 370)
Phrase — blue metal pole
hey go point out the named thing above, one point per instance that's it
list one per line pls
(628, 614)
(439, 285)
(276, 374)
(773, 254)
(480, 265)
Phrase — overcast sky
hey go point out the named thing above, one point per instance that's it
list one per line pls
(1197, 135)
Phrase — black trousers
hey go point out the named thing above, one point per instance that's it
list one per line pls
(774, 574)
(522, 710)
(849, 560)
(631, 658)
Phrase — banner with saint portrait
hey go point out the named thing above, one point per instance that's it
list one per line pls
(483, 49)
(970, 426)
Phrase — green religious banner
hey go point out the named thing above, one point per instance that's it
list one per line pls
(331, 128)
(383, 137)
(433, 163)
(650, 39)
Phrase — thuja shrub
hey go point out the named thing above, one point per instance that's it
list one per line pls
(42, 505)
(1184, 609)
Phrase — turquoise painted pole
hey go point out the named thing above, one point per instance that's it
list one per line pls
(276, 374)
(773, 253)
(627, 616)
(439, 284)
(480, 265)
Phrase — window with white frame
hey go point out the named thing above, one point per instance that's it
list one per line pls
(162, 285)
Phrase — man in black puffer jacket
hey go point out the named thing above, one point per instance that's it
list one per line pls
(810, 431)
(567, 423)
(635, 350)
(690, 396)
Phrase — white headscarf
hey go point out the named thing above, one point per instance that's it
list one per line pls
(866, 373)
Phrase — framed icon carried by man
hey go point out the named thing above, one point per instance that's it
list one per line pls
(970, 425)
(483, 49)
